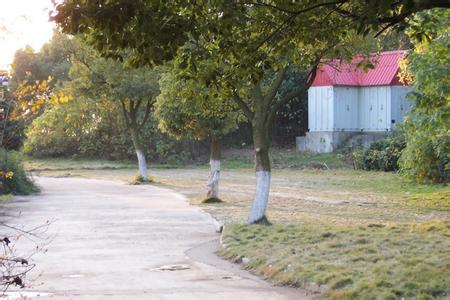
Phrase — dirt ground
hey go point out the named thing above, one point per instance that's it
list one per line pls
(311, 196)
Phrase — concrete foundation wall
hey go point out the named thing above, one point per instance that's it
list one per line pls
(365, 139)
(330, 141)
(300, 142)
(326, 141)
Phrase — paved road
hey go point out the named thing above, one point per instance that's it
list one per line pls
(111, 240)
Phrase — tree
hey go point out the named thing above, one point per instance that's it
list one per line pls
(254, 44)
(186, 107)
(250, 60)
(34, 77)
(254, 74)
(51, 63)
(427, 153)
(134, 90)
(10, 130)
(155, 31)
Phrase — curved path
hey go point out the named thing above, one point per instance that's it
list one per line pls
(117, 241)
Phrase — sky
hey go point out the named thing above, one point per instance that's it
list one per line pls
(23, 22)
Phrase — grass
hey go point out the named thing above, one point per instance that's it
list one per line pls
(64, 164)
(324, 196)
(61, 164)
(6, 198)
(354, 234)
(283, 158)
(348, 262)
(139, 180)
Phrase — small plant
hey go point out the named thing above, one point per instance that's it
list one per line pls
(138, 179)
(13, 178)
(382, 155)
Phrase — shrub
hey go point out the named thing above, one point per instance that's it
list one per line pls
(382, 155)
(13, 178)
(95, 130)
(426, 157)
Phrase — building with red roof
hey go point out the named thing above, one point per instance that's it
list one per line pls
(346, 101)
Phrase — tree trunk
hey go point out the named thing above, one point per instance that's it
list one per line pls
(261, 143)
(214, 175)
(142, 162)
(263, 175)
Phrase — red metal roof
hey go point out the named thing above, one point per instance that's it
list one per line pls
(338, 72)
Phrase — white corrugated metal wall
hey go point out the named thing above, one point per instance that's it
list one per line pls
(375, 108)
(346, 109)
(400, 105)
(356, 108)
(320, 108)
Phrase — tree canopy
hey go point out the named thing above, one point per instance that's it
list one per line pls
(155, 30)
(186, 107)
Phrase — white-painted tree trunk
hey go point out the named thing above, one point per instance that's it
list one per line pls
(261, 197)
(142, 164)
(214, 178)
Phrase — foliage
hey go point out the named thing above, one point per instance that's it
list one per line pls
(34, 77)
(13, 178)
(187, 107)
(50, 64)
(292, 118)
(157, 31)
(131, 91)
(93, 129)
(427, 153)
(382, 155)
(11, 130)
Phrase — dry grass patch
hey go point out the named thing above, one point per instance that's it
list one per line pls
(353, 262)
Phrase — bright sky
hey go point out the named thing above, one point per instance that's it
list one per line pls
(23, 22)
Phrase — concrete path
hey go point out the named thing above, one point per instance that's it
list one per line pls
(116, 241)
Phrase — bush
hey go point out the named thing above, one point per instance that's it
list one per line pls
(426, 157)
(382, 155)
(13, 178)
(80, 129)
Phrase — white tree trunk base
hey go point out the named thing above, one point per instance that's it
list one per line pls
(259, 205)
(213, 180)
(142, 165)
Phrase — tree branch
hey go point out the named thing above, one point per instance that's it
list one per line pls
(138, 104)
(146, 115)
(298, 12)
(243, 106)
(125, 113)
(296, 93)
(274, 87)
